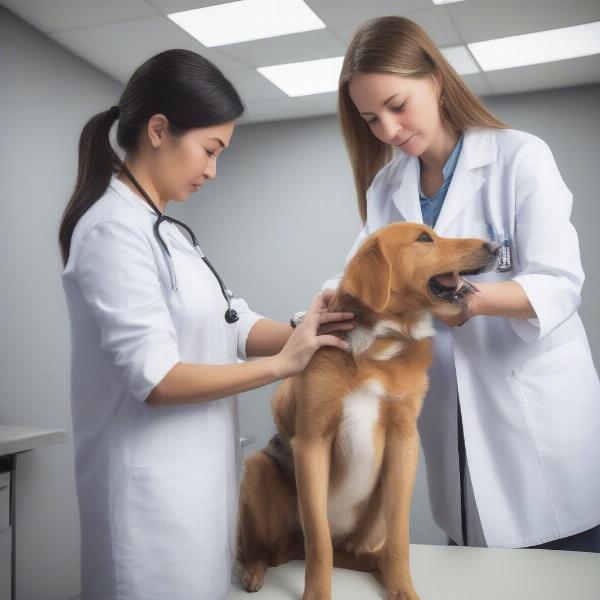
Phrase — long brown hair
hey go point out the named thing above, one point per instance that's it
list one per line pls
(182, 85)
(399, 46)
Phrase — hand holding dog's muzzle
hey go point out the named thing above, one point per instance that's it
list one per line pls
(466, 297)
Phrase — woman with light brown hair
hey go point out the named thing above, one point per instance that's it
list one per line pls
(510, 449)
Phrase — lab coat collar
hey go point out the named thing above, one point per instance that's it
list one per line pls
(126, 193)
(169, 229)
(479, 149)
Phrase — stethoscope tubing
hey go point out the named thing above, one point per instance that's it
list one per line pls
(231, 315)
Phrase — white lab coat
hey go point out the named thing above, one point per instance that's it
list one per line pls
(529, 392)
(157, 487)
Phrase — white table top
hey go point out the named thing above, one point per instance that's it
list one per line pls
(457, 573)
(15, 439)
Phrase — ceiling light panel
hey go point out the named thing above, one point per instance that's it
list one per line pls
(537, 48)
(246, 20)
(307, 77)
(460, 58)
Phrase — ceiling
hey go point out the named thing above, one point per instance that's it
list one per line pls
(117, 35)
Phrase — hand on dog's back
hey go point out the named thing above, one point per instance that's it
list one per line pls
(313, 333)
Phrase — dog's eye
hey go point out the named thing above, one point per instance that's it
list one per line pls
(424, 237)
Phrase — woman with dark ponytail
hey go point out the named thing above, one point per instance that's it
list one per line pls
(155, 342)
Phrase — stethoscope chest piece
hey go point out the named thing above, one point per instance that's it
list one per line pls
(231, 315)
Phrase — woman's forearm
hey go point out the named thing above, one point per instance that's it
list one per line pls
(267, 338)
(502, 299)
(188, 383)
(288, 352)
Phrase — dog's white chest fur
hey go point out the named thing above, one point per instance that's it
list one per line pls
(356, 442)
(361, 338)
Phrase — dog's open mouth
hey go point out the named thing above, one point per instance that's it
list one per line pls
(451, 286)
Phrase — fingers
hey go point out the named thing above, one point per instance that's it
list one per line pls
(335, 327)
(328, 294)
(332, 340)
(327, 317)
(322, 322)
(316, 306)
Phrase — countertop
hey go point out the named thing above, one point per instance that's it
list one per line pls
(15, 439)
(457, 573)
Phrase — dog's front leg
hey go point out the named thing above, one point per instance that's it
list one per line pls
(399, 472)
(311, 459)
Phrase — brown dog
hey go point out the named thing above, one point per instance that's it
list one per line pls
(334, 486)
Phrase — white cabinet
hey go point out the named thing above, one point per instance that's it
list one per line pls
(13, 441)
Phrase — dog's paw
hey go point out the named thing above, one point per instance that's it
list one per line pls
(316, 595)
(253, 576)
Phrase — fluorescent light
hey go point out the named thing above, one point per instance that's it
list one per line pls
(539, 47)
(460, 58)
(320, 76)
(246, 20)
(307, 77)
(438, 2)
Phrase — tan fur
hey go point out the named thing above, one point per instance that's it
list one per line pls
(287, 486)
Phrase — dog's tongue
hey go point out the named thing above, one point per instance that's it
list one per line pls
(448, 280)
(456, 282)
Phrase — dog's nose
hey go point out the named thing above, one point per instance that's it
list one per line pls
(492, 247)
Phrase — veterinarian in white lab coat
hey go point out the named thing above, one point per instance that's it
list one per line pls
(526, 470)
(155, 344)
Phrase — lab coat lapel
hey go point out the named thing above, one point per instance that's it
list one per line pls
(463, 187)
(169, 232)
(406, 196)
(479, 149)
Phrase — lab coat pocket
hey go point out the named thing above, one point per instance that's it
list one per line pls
(173, 534)
(561, 395)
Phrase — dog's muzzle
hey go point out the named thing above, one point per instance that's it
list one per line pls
(451, 287)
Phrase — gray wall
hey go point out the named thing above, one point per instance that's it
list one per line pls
(46, 94)
(277, 222)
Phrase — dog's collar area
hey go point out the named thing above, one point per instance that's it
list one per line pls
(361, 338)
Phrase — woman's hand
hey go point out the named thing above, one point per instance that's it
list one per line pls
(313, 333)
(456, 320)
(333, 321)
(469, 308)
(495, 299)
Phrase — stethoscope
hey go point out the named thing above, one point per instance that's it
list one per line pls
(231, 315)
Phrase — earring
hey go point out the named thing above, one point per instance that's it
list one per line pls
(443, 99)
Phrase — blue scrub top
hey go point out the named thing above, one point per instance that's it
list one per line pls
(431, 207)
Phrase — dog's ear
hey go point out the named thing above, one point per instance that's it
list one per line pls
(368, 276)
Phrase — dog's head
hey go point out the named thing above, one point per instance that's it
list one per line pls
(407, 266)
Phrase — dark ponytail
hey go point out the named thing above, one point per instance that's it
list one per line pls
(182, 85)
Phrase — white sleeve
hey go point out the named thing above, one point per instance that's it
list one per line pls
(546, 243)
(335, 280)
(119, 280)
(247, 320)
